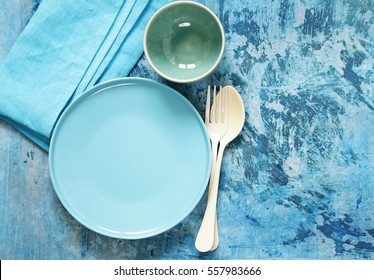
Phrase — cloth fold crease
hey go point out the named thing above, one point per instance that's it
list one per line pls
(67, 47)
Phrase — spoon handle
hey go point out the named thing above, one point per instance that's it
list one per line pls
(205, 237)
(214, 162)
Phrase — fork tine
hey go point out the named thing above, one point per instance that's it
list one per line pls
(214, 106)
(220, 106)
(207, 106)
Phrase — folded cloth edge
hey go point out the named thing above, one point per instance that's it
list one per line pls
(109, 72)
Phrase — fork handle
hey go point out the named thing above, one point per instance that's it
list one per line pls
(205, 237)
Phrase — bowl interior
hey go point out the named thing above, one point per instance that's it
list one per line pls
(184, 41)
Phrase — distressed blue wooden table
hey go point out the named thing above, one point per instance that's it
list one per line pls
(298, 183)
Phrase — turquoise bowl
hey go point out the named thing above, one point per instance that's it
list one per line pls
(184, 41)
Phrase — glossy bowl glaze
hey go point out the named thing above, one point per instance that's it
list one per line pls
(184, 41)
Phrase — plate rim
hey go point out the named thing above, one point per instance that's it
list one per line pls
(86, 95)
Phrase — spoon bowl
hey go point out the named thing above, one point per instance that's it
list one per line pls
(236, 115)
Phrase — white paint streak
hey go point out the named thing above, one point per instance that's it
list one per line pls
(299, 14)
(235, 40)
(276, 106)
(296, 163)
(319, 220)
(293, 165)
(279, 135)
(329, 55)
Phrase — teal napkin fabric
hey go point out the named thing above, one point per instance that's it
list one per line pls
(67, 47)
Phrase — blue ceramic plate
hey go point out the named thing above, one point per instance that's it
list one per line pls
(130, 158)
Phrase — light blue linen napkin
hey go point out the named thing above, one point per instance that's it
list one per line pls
(67, 47)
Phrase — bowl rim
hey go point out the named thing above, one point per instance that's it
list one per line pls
(205, 74)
